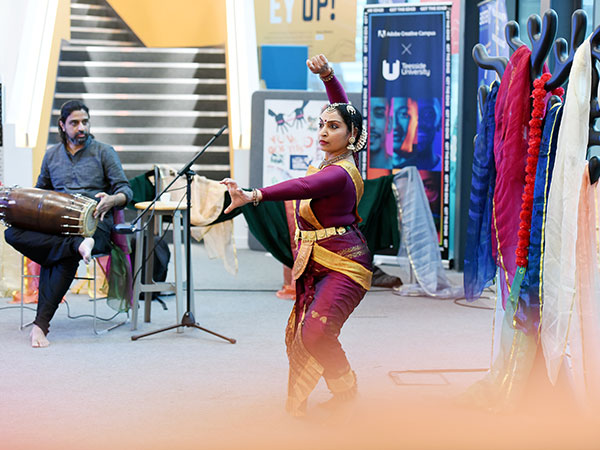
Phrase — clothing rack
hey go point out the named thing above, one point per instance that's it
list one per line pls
(542, 34)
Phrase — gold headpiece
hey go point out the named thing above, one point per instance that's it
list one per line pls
(349, 108)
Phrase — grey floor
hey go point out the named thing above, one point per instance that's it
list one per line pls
(193, 390)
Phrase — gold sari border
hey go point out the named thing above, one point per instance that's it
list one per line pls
(356, 271)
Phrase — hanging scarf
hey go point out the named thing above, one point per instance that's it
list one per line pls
(510, 153)
(561, 223)
(539, 95)
(584, 332)
(529, 312)
(480, 267)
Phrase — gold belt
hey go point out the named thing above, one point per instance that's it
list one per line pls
(316, 235)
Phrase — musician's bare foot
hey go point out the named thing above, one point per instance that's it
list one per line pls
(38, 338)
(85, 249)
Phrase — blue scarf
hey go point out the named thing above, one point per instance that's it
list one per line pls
(480, 268)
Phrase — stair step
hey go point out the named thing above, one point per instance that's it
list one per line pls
(95, 30)
(135, 80)
(94, 21)
(141, 85)
(165, 97)
(98, 35)
(102, 42)
(210, 172)
(157, 130)
(107, 118)
(154, 113)
(140, 69)
(154, 121)
(165, 104)
(141, 65)
(89, 2)
(174, 157)
(142, 54)
(144, 167)
(148, 138)
(91, 10)
(192, 149)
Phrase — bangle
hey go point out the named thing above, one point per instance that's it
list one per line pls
(328, 77)
(255, 200)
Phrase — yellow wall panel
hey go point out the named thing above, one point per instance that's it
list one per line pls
(175, 23)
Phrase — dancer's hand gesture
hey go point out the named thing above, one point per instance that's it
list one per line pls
(239, 197)
(319, 65)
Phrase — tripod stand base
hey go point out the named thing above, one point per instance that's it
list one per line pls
(186, 321)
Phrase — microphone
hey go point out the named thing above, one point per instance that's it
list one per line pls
(124, 228)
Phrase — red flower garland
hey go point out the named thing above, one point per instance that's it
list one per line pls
(533, 151)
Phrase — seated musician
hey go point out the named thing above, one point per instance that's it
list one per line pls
(77, 165)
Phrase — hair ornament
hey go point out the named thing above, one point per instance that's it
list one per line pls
(333, 106)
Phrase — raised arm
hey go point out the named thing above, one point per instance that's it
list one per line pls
(320, 66)
(327, 181)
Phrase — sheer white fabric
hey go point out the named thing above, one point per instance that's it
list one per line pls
(561, 221)
(419, 239)
(207, 203)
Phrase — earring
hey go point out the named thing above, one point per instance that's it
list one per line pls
(350, 145)
(362, 140)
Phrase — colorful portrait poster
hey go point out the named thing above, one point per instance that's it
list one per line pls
(290, 138)
(406, 98)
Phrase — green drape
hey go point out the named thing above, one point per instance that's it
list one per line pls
(143, 190)
(379, 212)
(268, 224)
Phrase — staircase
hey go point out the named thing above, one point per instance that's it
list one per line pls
(153, 105)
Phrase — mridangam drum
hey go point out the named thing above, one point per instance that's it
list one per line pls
(48, 211)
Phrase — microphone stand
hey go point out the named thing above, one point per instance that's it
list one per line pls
(188, 319)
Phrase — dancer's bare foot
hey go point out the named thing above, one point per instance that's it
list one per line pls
(38, 338)
(85, 249)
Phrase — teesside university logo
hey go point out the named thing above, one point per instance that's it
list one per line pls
(391, 72)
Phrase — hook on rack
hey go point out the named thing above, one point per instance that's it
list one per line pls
(563, 60)
(482, 94)
(512, 34)
(541, 37)
(485, 61)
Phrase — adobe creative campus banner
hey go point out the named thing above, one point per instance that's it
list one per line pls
(406, 98)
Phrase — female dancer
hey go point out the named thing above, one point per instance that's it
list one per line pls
(332, 266)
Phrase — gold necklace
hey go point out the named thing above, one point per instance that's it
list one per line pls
(335, 159)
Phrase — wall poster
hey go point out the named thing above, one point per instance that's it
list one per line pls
(406, 98)
(326, 26)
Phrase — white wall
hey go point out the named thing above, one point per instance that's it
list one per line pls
(26, 39)
(243, 80)
(12, 23)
